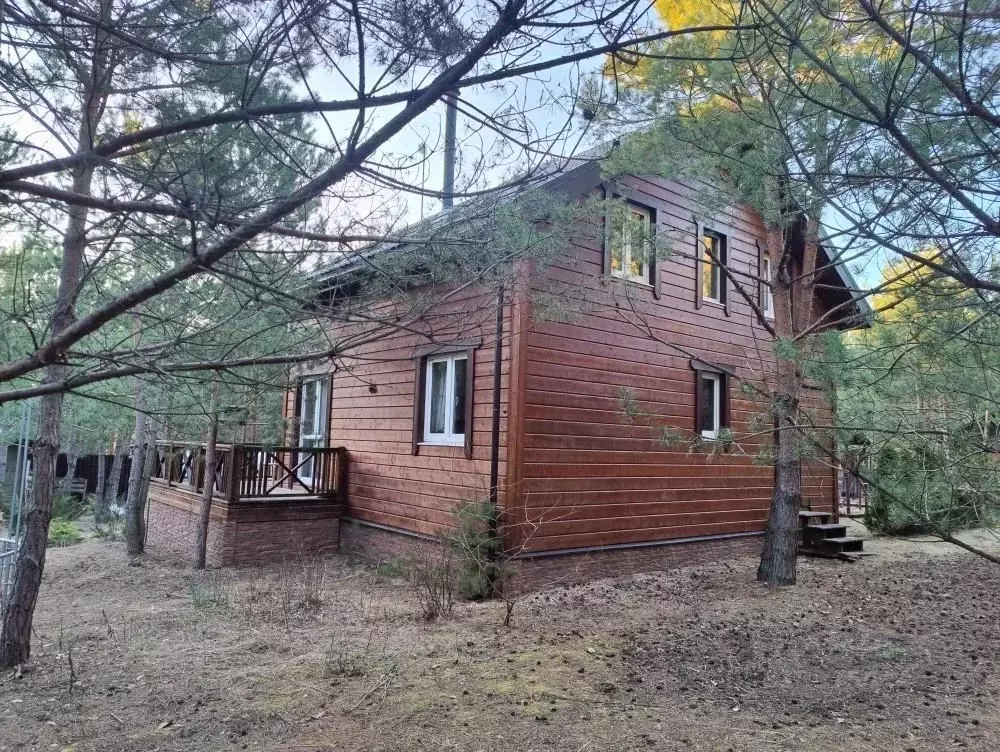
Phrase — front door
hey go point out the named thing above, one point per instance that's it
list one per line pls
(312, 424)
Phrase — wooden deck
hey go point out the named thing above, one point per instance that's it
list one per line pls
(251, 472)
(268, 504)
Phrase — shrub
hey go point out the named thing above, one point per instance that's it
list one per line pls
(68, 507)
(471, 562)
(111, 529)
(920, 490)
(391, 569)
(434, 579)
(477, 541)
(63, 532)
(209, 590)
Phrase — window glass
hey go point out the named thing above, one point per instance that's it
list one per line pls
(767, 303)
(438, 395)
(708, 399)
(445, 400)
(709, 269)
(308, 408)
(312, 417)
(458, 410)
(313, 413)
(631, 238)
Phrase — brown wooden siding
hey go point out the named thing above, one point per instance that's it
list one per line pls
(580, 474)
(590, 476)
(387, 483)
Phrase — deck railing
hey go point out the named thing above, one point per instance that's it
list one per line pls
(252, 471)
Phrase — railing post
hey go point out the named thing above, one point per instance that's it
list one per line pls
(235, 476)
(199, 468)
(340, 478)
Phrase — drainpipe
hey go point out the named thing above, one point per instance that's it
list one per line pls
(494, 526)
(495, 427)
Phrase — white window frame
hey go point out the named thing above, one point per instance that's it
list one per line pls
(625, 239)
(318, 420)
(448, 437)
(715, 269)
(716, 379)
(767, 297)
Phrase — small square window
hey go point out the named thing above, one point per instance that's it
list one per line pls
(766, 296)
(712, 260)
(709, 404)
(445, 400)
(631, 242)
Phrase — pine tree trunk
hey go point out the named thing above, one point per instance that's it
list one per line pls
(15, 640)
(204, 511)
(147, 474)
(100, 503)
(794, 296)
(15, 643)
(779, 558)
(113, 484)
(133, 510)
(72, 455)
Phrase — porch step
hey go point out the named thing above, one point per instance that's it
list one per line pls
(841, 544)
(823, 531)
(827, 527)
(821, 536)
(849, 556)
(807, 516)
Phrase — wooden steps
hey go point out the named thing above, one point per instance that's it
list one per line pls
(820, 536)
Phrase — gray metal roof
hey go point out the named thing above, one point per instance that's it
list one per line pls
(549, 175)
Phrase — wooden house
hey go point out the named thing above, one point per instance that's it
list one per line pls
(585, 479)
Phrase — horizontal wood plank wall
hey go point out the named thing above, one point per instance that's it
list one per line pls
(591, 475)
(371, 413)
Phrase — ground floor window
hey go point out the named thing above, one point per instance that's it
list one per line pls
(314, 406)
(711, 398)
(446, 399)
(708, 416)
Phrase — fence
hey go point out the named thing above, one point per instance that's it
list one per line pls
(8, 557)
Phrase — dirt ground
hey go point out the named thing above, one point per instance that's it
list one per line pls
(896, 652)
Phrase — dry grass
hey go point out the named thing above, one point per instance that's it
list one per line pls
(894, 653)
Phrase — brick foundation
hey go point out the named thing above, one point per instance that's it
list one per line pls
(243, 532)
(541, 572)
(171, 525)
(376, 544)
(253, 532)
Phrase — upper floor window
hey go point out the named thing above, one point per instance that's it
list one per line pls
(445, 399)
(713, 259)
(631, 242)
(766, 296)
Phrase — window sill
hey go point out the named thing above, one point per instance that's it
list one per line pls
(713, 302)
(460, 444)
(637, 282)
